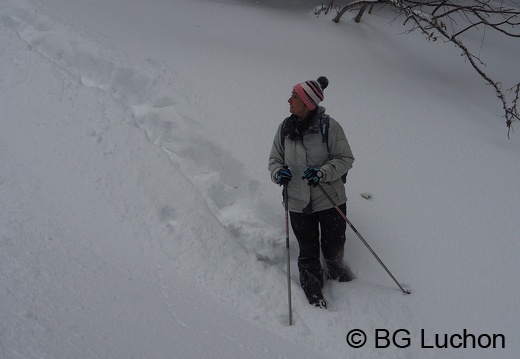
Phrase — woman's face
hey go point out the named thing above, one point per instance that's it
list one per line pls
(296, 106)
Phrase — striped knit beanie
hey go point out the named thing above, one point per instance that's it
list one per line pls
(311, 92)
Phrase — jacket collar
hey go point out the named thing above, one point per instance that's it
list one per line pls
(290, 128)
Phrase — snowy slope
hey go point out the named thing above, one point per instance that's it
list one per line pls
(137, 218)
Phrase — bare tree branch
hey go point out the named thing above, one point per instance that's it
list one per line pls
(442, 18)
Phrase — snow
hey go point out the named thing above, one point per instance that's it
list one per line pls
(137, 217)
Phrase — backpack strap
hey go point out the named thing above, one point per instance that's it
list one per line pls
(324, 128)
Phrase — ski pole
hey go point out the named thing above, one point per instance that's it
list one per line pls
(407, 291)
(286, 205)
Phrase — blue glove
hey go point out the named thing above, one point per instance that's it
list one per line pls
(313, 176)
(283, 176)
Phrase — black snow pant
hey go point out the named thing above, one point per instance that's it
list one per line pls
(307, 228)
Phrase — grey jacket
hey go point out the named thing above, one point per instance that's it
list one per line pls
(299, 151)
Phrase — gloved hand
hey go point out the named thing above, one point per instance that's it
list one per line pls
(313, 176)
(283, 176)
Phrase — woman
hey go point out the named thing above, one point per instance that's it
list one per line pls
(313, 147)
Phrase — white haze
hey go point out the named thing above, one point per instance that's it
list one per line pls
(137, 217)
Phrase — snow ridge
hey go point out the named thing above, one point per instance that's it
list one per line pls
(169, 119)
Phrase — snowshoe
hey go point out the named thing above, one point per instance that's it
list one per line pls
(318, 302)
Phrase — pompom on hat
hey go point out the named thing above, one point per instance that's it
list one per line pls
(311, 92)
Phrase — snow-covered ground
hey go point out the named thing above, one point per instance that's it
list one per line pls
(137, 218)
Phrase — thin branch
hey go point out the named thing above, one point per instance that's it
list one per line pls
(431, 16)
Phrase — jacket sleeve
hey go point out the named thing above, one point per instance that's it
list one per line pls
(340, 158)
(276, 157)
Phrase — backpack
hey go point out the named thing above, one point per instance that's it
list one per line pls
(324, 129)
